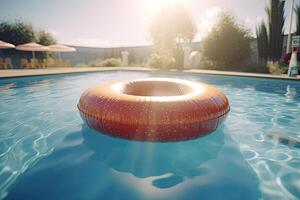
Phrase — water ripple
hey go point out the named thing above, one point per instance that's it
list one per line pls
(38, 113)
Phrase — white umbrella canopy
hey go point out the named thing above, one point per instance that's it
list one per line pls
(5, 45)
(33, 47)
(61, 48)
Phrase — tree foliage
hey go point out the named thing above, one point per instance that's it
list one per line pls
(228, 44)
(297, 10)
(17, 32)
(171, 27)
(262, 41)
(45, 38)
(276, 19)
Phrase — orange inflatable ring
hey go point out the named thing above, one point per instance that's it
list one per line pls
(154, 109)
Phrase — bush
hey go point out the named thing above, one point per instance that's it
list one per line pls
(161, 61)
(228, 44)
(137, 65)
(277, 68)
(259, 67)
(95, 63)
(81, 65)
(111, 62)
(206, 64)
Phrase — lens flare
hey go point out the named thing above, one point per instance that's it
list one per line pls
(154, 6)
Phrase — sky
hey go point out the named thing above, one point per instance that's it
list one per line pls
(114, 23)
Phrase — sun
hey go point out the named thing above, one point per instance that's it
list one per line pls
(153, 6)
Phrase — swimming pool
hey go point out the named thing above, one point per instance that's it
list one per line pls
(47, 152)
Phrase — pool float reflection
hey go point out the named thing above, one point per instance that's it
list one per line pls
(145, 159)
(96, 166)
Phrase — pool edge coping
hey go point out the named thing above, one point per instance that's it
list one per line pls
(57, 71)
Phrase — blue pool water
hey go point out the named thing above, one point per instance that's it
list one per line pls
(47, 152)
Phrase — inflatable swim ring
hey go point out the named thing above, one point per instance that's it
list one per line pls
(154, 109)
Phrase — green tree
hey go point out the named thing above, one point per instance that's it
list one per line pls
(228, 44)
(297, 10)
(45, 38)
(170, 28)
(276, 19)
(17, 32)
(262, 41)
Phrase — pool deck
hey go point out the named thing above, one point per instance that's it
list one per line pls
(12, 73)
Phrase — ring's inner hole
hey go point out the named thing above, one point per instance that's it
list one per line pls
(156, 88)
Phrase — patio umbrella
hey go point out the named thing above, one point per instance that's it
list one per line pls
(33, 47)
(5, 45)
(61, 48)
